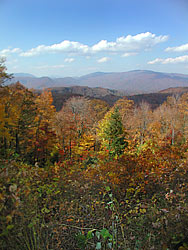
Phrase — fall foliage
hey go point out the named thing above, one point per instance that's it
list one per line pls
(90, 176)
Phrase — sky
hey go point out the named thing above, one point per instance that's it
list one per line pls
(62, 38)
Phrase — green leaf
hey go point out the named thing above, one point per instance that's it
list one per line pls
(98, 245)
(98, 234)
(110, 195)
(110, 202)
(90, 234)
(56, 179)
(81, 239)
(58, 192)
(30, 225)
(9, 227)
(45, 210)
(107, 188)
(105, 233)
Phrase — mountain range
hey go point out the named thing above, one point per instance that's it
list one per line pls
(132, 82)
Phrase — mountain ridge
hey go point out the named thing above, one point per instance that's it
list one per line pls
(131, 82)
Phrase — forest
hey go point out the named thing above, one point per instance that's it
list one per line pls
(91, 176)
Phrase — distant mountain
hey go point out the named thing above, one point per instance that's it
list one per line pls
(137, 81)
(132, 82)
(23, 75)
(44, 82)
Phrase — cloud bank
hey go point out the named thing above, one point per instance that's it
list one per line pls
(181, 48)
(6, 52)
(170, 60)
(128, 44)
(65, 46)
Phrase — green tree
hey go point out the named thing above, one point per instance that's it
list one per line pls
(3, 74)
(112, 134)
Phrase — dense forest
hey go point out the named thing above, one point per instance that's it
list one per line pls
(153, 99)
(91, 176)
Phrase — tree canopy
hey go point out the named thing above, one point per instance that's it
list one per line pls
(4, 76)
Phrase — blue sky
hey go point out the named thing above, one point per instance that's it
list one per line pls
(77, 37)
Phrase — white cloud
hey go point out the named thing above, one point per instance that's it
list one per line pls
(157, 60)
(69, 60)
(128, 44)
(181, 48)
(142, 41)
(170, 60)
(6, 52)
(51, 66)
(103, 59)
(129, 54)
(65, 46)
(103, 45)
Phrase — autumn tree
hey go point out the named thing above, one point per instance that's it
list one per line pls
(72, 122)
(183, 113)
(44, 137)
(4, 105)
(126, 109)
(98, 109)
(79, 107)
(167, 122)
(17, 120)
(172, 103)
(4, 120)
(139, 123)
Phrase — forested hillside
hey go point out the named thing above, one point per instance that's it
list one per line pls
(91, 176)
(61, 95)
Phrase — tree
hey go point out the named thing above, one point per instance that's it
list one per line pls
(4, 97)
(111, 133)
(126, 109)
(44, 137)
(98, 109)
(16, 119)
(72, 122)
(167, 122)
(4, 120)
(142, 119)
(3, 74)
(22, 113)
(183, 110)
(79, 107)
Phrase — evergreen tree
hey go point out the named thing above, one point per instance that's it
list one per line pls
(112, 133)
(3, 74)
